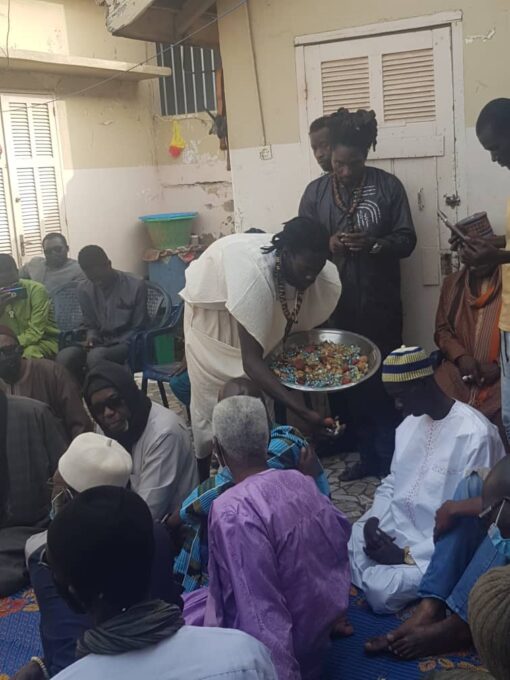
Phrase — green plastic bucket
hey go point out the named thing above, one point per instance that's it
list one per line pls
(169, 230)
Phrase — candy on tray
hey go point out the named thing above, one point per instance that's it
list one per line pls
(321, 365)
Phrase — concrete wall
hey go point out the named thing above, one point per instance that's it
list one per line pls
(114, 144)
(275, 24)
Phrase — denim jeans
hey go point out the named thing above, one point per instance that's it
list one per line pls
(461, 556)
(505, 381)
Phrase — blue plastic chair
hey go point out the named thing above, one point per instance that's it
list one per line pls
(68, 314)
(165, 373)
(159, 315)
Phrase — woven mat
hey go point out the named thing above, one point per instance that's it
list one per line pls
(347, 659)
(19, 632)
(19, 640)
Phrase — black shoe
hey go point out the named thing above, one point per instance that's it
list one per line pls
(358, 471)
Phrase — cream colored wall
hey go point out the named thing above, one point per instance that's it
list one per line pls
(113, 142)
(268, 186)
(266, 192)
(275, 24)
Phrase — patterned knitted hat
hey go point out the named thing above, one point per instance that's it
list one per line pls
(406, 364)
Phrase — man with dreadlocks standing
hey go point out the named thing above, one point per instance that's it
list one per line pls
(367, 215)
(244, 294)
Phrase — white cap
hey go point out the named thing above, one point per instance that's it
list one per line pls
(95, 460)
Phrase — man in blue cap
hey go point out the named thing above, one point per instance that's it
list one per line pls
(439, 443)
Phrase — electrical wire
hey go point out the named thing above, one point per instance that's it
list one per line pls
(8, 35)
(76, 93)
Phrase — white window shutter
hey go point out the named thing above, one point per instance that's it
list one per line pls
(345, 83)
(34, 169)
(409, 86)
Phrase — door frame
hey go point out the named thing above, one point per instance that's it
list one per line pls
(453, 20)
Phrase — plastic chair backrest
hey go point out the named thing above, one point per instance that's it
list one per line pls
(68, 314)
(159, 306)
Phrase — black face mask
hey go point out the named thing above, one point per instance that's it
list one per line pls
(10, 363)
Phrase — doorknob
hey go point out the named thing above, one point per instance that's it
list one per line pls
(22, 245)
(452, 200)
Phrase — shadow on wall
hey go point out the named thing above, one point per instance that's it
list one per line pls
(103, 206)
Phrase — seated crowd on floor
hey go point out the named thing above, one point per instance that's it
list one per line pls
(162, 548)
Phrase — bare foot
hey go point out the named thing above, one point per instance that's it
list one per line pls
(427, 612)
(341, 628)
(443, 637)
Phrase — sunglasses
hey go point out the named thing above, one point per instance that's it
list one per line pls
(12, 351)
(112, 403)
(494, 506)
(54, 249)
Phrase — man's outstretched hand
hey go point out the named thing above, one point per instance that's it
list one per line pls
(379, 545)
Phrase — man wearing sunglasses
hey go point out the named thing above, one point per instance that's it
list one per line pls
(56, 268)
(472, 536)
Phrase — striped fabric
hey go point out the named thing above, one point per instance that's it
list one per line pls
(406, 364)
(190, 565)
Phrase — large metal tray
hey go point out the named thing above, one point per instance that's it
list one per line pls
(340, 337)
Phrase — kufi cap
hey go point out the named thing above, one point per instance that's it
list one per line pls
(476, 226)
(95, 460)
(406, 364)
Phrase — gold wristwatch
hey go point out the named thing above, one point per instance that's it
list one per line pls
(408, 559)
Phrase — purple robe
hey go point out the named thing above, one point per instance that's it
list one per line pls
(278, 569)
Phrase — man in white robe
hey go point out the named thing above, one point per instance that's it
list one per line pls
(440, 442)
(234, 312)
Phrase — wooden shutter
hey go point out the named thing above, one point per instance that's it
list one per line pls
(34, 169)
(409, 86)
(345, 83)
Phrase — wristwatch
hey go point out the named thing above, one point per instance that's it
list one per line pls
(408, 559)
(376, 248)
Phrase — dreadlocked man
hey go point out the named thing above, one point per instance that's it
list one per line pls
(367, 215)
(243, 295)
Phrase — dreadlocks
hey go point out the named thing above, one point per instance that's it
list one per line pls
(300, 235)
(355, 129)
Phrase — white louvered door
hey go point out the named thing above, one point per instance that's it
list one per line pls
(407, 79)
(33, 163)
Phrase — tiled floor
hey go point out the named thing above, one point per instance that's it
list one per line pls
(353, 498)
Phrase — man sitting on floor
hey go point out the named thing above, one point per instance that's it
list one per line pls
(26, 308)
(164, 467)
(287, 450)
(114, 306)
(278, 566)
(31, 444)
(473, 536)
(43, 380)
(467, 333)
(91, 460)
(56, 268)
(100, 549)
(439, 442)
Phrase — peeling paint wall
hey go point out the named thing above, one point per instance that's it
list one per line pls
(198, 179)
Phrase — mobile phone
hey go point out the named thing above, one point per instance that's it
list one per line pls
(15, 292)
(452, 227)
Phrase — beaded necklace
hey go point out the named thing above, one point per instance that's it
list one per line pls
(291, 317)
(357, 195)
